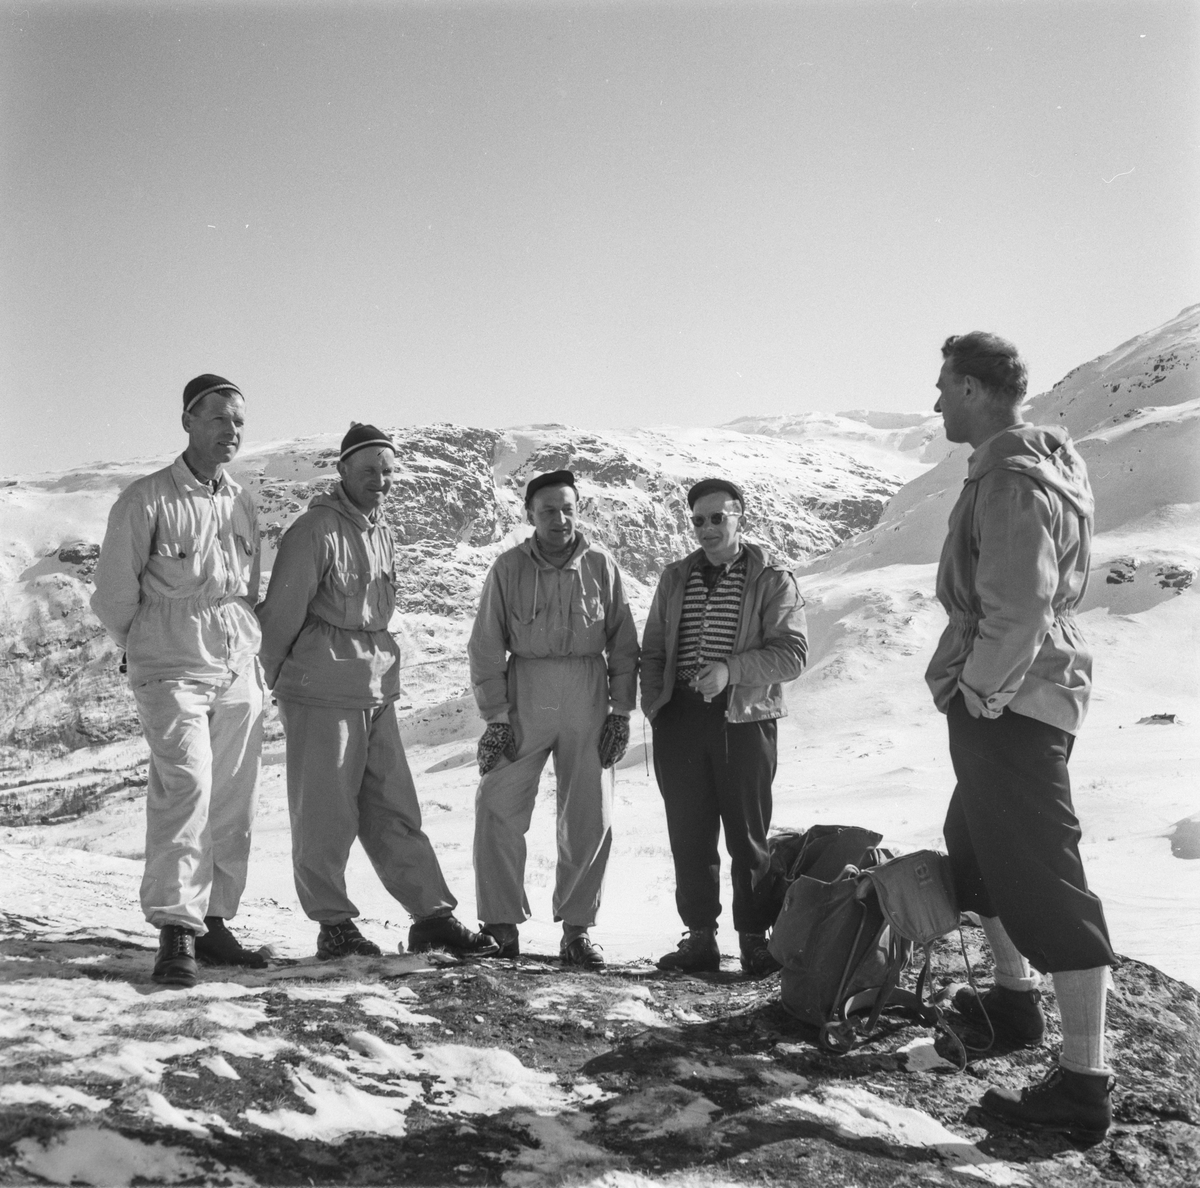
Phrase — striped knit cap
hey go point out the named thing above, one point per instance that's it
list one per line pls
(361, 436)
(195, 390)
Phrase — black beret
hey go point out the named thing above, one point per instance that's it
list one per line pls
(195, 390)
(361, 436)
(711, 485)
(555, 478)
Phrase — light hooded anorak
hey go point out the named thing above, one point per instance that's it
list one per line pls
(325, 617)
(531, 610)
(770, 647)
(1013, 570)
(178, 576)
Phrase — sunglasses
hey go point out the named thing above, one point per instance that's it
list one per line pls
(716, 519)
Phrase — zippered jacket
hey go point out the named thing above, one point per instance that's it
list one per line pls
(1013, 569)
(529, 609)
(770, 647)
(178, 575)
(325, 617)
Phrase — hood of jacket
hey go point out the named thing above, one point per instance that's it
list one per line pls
(1045, 453)
(339, 501)
(529, 547)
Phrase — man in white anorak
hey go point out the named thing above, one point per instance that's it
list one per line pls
(1012, 674)
(175, 586)
(554, 666)
(334, 668)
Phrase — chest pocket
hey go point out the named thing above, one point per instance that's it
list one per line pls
(177, 561)
(244, 542)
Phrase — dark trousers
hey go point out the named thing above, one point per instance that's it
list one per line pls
(1013, 839)
(712, 773)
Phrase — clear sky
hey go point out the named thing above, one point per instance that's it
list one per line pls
(594, 213)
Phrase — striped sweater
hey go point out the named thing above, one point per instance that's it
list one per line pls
(712, 602)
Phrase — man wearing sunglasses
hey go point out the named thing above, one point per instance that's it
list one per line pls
(553, 663)
(726, 629)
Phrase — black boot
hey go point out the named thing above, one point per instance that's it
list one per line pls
(344, 940)
(1078, 1104)
(507, 937)
(175, 964)
(697, 953)
(757, 961)
(445, 932)
(1016, 1015)
(220, 947)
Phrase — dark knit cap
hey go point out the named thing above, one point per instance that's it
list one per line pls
(197, 389)
(361, 436)
(555, 478)
(711, 485)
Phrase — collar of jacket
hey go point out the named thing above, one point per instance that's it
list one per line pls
(185, 480)
(757, 559)
(529, 546)
(340, 502)
(1043, 452)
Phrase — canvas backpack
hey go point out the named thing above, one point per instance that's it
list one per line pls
(844, 939)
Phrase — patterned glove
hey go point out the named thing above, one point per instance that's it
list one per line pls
(498, 739)
(614, 738)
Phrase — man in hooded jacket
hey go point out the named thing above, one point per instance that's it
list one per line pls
(1012, 673)
(334, 668)
(554, 667)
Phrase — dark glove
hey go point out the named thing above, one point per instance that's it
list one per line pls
(498, 739)
(614, 738)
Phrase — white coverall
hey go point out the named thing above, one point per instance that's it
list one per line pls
(537, 653)
(335, 670)
(177, 576)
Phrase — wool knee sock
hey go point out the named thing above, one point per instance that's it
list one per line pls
(1012, 970)
(1082, 1002)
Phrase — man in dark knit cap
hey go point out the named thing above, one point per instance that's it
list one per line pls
(334, 668)
(725, 630)
(553, 662)
(175, 586)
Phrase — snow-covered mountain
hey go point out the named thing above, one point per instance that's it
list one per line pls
(906, 442)
(456, 504)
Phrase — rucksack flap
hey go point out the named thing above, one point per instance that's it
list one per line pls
(916, 894)
(828, 849)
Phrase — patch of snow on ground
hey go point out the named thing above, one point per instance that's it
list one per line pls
(90, 1155)
(469, 1080)
(854, 1113)
(60, 1097)
(337, 1110)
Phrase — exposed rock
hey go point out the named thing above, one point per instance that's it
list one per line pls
(662, 1077)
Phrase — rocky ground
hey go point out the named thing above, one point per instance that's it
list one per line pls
(415, 1071)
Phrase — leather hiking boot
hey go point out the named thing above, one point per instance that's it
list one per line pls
(581, 953)
(220, 947)
(1016, 1015)
(175, 964)
(757, 961)
(507, 937)
(1078, 1104)
(344, 940)
(445, 932)
(697, 953)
